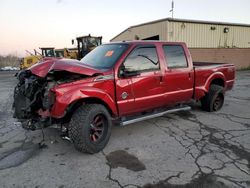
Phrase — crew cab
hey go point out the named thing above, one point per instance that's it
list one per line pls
(117, 83)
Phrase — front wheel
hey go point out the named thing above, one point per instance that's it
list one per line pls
(90, 128)
(214, 99)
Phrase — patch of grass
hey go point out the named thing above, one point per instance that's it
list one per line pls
(244, 68)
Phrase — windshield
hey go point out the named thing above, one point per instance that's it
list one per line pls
(105, 56)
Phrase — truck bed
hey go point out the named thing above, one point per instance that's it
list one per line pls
(204, 70)
(209, 64)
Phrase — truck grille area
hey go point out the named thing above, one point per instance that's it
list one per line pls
(28, 95)
(33, 93)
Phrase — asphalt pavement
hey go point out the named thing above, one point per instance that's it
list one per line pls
(185, 149)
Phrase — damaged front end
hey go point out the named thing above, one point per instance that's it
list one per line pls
(33, 97)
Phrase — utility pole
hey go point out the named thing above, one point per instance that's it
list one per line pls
(172, 8)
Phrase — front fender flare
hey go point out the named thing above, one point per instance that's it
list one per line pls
(64, 100)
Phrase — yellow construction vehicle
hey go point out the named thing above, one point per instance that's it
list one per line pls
(32, 59)
(29, 60)
(85, 44)
(69, 53)
(48, 52)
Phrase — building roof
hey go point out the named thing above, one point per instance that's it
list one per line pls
(185, 20)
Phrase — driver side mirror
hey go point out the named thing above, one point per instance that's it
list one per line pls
(123, 73)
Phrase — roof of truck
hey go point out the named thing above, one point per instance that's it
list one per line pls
(145, 42)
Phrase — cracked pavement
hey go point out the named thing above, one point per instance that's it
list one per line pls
(185, 149)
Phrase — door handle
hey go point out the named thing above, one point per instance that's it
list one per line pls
(160, 78)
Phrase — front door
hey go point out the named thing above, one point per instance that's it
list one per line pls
(142, 71)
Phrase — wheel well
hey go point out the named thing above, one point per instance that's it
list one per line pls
(218, 81)
(76, 104)
(98, 101)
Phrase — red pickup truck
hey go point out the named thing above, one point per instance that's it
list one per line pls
(123, 82)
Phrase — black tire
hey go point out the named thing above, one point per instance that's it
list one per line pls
(85, 126)
(214, 99)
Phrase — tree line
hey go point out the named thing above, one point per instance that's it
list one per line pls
(9, 60)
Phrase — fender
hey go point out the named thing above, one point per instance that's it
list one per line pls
(212, 77)
(63, 100)
(201, 91)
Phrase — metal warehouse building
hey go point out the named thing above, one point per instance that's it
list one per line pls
(207, 41)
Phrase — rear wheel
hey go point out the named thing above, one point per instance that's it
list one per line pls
(214, 99)
(90, 128)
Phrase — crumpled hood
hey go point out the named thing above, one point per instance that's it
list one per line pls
(43, 68)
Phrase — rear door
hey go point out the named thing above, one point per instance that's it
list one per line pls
(179, 75)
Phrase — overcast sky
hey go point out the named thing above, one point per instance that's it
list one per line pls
(29, 24)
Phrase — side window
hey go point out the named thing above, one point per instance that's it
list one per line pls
(175, 56)
(142, 59)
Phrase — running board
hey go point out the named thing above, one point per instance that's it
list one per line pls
(146, 117)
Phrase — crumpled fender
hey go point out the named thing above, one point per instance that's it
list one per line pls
(63, 100)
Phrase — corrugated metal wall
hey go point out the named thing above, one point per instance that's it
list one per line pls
(209, 35)
(196, 35)
(144, 31)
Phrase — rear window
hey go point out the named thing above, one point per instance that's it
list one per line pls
(175, 56)
(104, 56)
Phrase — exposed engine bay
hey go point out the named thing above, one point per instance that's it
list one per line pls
(33, 94)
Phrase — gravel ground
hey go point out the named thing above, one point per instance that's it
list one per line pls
(186, 149)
